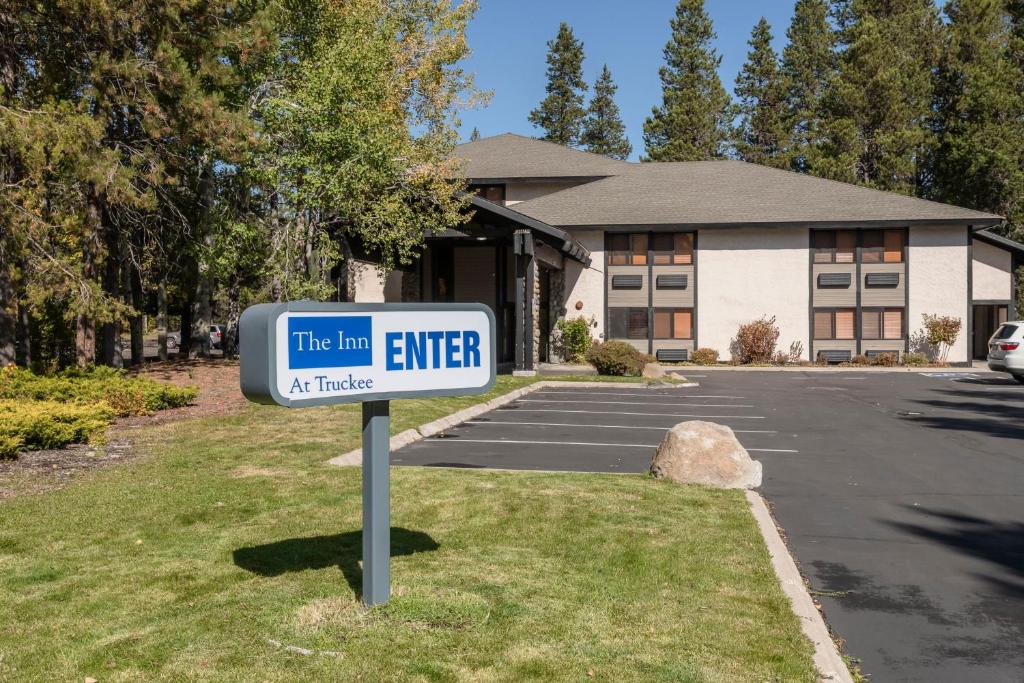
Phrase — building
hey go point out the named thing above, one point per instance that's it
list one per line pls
(672, 256)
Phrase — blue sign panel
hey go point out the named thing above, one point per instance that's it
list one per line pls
(330, 341)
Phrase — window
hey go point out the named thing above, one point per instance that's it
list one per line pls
(673, 323)
(882, 246)
(627, 250)
(672, 248)
(627, 323)
(1005, 332)
(492, 193)
(882, 323)
(836, 324)
(834, 246)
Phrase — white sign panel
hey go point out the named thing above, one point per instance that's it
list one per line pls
(303, 353)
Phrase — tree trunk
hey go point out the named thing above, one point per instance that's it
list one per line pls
(230, 342)
(111, 331)
(8, 307)
(23, 346)
(185, 339)
(137, 320)
(200, 346)
(161, 317)
(85, 329)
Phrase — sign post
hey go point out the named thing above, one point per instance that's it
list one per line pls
(376, 503)
(304, 353)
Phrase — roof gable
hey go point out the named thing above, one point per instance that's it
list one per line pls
(515, 156)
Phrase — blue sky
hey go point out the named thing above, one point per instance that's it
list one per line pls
(509, 43)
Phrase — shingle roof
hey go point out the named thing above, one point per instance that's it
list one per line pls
(690, 193)
(732, 192)
(999, 241)
(513, 156)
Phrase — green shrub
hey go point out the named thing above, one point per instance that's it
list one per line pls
(125, 395)
(915, 359)
(574, 339)
(34, 425)
(704, 356)
(617, 358)
(887, 360)
(941, 332)
(755, 341)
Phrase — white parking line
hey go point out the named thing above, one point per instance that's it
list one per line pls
(619, 412)
(549, 392)
(637, 403)
(591, 443)
(552, 443)
(570, 424)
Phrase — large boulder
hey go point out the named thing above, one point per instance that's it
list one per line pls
(698, 452)
(653, 371)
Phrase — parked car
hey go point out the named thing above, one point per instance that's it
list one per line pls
(217, 336)
(1006, 349)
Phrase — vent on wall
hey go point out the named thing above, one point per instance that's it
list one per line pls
(882, 280)
(837, 280)
(671, 282)
(672, 355)
(627, 281)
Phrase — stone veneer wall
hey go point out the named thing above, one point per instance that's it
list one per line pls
(535, 316)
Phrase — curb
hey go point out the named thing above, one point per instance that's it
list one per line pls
(355, 457)
(830, 664)
(828, 370)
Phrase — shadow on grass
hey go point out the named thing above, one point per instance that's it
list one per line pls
(320, 552)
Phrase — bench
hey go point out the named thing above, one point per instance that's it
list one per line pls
(835, 355)
(875, 354)
(671, 355)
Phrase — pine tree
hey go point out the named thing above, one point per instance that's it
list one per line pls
(475, 135)
(880, 102)
(560, 114)
(808, 64)
(979, 160)
(603, 130)
(692, 122)
(760, 134)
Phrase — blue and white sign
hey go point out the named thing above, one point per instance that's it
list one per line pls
(305, 353)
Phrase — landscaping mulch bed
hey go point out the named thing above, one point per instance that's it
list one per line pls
(36, 472)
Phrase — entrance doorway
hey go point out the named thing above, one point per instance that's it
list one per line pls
(987, 317)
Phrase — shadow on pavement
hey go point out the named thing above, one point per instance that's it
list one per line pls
(998, 542)
(320, 552)
(990, 418)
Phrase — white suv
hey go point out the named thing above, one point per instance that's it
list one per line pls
(1006, 349)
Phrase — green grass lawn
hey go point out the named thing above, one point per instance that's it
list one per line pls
(231, 535)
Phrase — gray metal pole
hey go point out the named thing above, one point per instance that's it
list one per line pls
(376, 503)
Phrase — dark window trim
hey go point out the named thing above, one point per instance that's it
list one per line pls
(629, 310)
(672, 310)
(833, 310)
(881, 325)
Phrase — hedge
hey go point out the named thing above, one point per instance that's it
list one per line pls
(125, 395)
(34, 425)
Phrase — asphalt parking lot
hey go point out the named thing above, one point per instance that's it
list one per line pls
(901, 494)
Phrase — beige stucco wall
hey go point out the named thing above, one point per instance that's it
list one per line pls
(745, 273)
(521, 192)
(991, 272)
(937, 277)
(586, 284)
(371, 288)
